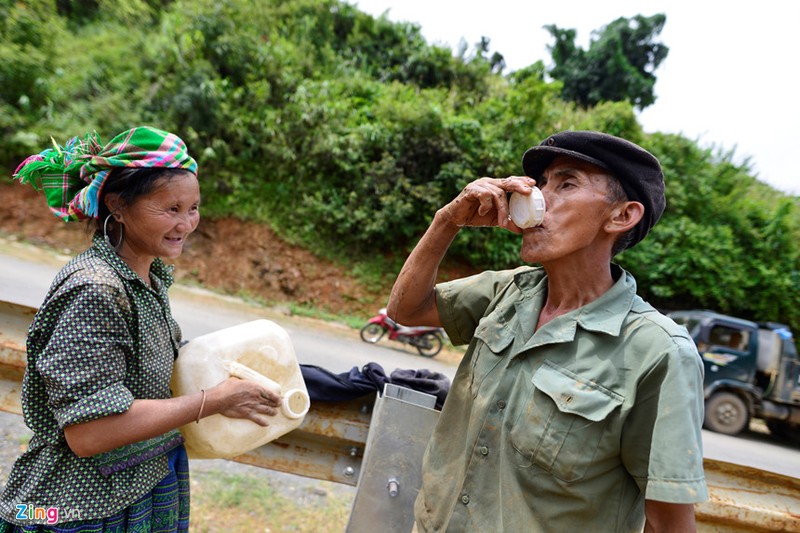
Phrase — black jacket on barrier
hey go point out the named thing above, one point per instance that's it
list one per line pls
(326, 386)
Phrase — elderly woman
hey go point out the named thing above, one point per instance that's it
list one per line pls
(106, 454)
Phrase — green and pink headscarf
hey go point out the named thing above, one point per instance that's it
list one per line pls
(72, 175)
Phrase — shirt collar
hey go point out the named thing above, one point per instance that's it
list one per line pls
(161, 271)
(606, 314)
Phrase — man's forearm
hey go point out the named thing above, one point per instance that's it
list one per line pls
(669, 517)
(413, 298)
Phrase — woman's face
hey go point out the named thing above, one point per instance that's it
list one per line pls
(157, 224)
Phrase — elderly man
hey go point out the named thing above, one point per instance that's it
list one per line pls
(577, 405)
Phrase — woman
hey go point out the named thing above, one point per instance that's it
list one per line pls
(106, 454)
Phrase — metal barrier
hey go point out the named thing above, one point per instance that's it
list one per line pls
(334, 437)
(391, 476)
(747, 499)
(14, 322)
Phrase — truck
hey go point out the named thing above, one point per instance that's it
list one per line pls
(752, 371)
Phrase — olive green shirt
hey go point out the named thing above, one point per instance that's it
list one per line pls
(569, 428)
(101, 339)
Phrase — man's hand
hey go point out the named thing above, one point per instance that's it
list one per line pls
(484, 202)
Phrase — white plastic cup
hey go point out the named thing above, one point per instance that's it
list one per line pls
(527, 210)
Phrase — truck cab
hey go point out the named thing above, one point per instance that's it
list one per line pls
(727, 346)
(751, 370)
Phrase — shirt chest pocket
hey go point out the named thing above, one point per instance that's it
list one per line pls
(492, 340)
(562, 425)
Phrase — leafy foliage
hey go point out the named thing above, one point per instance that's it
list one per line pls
(618, 66)
(347, 132)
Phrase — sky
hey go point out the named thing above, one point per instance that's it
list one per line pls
(728, 82)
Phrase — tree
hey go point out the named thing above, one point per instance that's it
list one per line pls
(618, 65)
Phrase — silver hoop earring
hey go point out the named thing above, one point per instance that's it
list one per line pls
(107, 238)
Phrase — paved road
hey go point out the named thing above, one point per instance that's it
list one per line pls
(26, 273)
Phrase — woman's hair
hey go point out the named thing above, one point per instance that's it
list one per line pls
(130, 184)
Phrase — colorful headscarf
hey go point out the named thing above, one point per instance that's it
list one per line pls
(72, 175)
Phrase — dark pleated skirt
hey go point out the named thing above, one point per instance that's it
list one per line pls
(165, 509)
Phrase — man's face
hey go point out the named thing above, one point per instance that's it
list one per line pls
(576, 194)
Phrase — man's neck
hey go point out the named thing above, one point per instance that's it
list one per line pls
(571, 288)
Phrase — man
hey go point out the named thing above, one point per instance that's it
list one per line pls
(576, 405)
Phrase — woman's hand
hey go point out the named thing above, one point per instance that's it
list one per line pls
(234, 397)
(484, 202)
(238, 398)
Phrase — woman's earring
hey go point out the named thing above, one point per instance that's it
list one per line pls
(105, 230)
(105, 233)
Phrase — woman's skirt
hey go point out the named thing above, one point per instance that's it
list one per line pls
(165, 509)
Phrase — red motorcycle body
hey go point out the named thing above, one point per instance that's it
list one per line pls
(427, 340)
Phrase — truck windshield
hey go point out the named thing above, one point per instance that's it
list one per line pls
(728, 337)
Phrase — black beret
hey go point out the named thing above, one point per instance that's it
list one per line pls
(637, 170)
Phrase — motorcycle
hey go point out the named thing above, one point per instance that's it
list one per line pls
(427, 340)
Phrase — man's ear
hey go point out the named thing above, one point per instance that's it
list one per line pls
(624, 217)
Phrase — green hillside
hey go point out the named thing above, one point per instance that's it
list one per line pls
(345, 133)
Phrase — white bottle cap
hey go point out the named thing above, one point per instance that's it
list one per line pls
(295, 404)
(527, 211)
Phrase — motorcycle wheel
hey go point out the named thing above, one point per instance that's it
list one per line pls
(429, 344)
(372, 333)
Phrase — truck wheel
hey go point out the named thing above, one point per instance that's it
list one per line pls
(726, 413)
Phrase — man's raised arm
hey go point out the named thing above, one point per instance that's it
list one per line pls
(483, 202)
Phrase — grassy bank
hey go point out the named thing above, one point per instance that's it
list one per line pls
(253, 502)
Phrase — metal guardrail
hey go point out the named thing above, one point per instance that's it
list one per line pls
(331, 444)
(744, 499)
(14, 322)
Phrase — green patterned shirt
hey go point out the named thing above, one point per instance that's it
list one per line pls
(101, 339)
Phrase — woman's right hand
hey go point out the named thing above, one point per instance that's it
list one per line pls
(147, 418)
(238, 398)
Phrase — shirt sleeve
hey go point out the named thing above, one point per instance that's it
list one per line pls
(463, 302)
(83, 362)
(662, 443)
